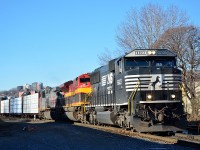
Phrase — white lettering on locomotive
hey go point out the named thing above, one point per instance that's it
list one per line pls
(119, 82)
(141, 52)
(103, 80)
(109, 89)
(107, 79)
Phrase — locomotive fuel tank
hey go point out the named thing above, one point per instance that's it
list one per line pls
(107, 117)
(72, 116)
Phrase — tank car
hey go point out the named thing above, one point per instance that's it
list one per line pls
(138, 91)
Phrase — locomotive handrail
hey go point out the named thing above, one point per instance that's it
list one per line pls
(132, 95)
(86, 97)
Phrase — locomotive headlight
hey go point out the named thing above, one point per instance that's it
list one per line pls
(173, 96)
(149, 96)
(149, 52)
(153, 52)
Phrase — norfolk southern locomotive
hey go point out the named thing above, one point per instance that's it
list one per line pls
(138, 91)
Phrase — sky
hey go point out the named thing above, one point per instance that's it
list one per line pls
(54, 41)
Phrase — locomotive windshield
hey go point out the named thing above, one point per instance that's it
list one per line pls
(130, 63)
(165, 63)
(84, 80)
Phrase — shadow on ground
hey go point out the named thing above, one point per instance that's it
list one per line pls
(23, 134)
(12, 126)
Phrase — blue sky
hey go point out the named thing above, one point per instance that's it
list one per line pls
(53, 41)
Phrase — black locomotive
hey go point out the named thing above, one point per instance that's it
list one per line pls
(138, 91)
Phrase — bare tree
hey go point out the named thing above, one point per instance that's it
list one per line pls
(144, 27)
(105, 57)
(185, 41)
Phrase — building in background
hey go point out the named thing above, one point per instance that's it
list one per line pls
(27, 86)
(36, 86)
(19, 88)
(20, 93)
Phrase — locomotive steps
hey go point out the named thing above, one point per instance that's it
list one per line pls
(177, 139)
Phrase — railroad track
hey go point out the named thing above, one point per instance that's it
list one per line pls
(178, 138)
(120, 131)
(195, 138)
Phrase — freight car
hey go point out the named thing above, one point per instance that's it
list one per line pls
(47, 104)
(5, 105)
(138, 91)
(27, 105)
(16, 106)
(52, 104)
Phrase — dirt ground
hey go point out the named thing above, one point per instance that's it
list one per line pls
(20, 134)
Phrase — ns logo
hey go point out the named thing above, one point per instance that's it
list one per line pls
(107, 79)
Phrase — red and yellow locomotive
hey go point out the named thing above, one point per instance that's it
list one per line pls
(76, 97)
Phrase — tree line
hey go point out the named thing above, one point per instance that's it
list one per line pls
(152, 26)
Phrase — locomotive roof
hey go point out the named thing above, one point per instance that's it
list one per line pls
(140, 53)
(150, 53)
(65, 86)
